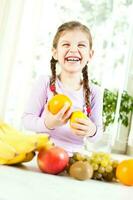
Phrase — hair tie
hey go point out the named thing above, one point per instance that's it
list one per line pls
(52, 88)
(88, 109)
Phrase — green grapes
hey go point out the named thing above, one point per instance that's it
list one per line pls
(104, 166)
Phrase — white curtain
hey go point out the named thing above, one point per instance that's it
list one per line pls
(10, 17)
(19, 22)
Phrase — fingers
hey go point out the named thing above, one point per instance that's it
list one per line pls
(61, 113)
(78, 132)
(80, 129)
(92, 130)
(61, 117)
(67, 114)
(83, 130)
(79, 126)
(83, 121)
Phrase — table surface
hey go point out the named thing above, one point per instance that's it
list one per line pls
(27, 182)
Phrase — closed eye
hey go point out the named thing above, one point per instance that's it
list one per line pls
(81, 45)
(65, 45)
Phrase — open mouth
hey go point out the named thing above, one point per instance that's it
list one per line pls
(72, 59)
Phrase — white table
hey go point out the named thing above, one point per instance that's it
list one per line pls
(29, 183)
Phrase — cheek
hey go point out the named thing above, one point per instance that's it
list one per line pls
(61, 54)
(87, 54)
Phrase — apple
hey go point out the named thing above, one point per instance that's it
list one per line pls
(52, 161)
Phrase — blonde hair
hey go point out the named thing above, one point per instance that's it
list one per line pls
(68, 26)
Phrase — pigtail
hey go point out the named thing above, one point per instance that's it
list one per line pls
(86, 89)
(53, 77)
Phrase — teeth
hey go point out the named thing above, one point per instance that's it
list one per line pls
(73, 59)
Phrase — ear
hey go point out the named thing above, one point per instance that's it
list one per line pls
(54, 53)
(91, 53)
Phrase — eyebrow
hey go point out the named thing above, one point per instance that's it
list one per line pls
(78, 42)
(83, 42)
(64, 41)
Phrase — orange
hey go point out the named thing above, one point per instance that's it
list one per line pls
(77, 114)
(57, 102)
(124, 172)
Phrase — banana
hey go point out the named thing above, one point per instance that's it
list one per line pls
(22, 144)
(29, 156)
(7, 151)
(2, 161)
(16, 160)
(23, 157)
(8, 129)
(43, 141)
(25, 143)
(47, 146)
(17, 146)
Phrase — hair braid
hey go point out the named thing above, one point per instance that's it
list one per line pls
(53, 77)
(86, 88)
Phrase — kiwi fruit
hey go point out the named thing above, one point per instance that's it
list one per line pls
(81, 170)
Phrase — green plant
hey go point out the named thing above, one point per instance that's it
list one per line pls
(126, 107)
(109, 107)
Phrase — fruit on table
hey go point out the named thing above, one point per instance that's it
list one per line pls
(6, 128)
(75, 115)
(29, 156)
(124, 172)
(79, 156)
(23, 143)
(6, 151)
(57, 102)
(42, 141)
(81, 170)
(17, 147)
(103, 165)
(20, 158)
(52, 161)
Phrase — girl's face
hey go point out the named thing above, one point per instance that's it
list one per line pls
(73, 51)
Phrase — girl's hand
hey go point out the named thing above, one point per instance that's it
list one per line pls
(51, 121)
(83, 127)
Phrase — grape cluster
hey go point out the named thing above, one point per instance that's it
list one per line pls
(104, 166)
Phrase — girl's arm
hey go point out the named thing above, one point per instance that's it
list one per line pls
(32, 118)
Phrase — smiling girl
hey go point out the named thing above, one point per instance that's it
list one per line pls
(72, 50)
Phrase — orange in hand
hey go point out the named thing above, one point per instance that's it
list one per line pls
(124, 172)
(75, 115)
(57, 102)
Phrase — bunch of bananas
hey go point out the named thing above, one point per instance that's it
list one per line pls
(17, 147)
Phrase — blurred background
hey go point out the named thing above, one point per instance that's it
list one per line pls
(27, 28)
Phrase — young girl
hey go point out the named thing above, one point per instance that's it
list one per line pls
(72, 50)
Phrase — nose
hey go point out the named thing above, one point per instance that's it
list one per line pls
(73, 48)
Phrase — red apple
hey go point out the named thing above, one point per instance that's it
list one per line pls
(52, 161)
